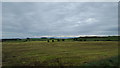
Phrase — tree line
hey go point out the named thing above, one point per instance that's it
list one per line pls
(109, 38)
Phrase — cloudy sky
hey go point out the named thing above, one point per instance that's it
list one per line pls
(36, 19)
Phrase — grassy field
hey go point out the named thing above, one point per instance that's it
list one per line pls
(70, 53)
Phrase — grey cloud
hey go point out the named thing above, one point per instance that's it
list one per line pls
(47, 18)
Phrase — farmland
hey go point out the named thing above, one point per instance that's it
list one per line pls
(67, 53)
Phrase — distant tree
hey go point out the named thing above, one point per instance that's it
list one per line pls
(75, 39)
(108, 40)
(28, 39)
(52, 38)
(80, 40)
(25, 40)
(43, 37)
(20, 39)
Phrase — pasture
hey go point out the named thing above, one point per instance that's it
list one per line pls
(68, 53)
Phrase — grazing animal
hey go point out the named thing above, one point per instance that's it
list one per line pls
(58, 40)
(52, 40)
(63, 39)
(48, 41)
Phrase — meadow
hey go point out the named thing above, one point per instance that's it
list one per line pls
(67, 53)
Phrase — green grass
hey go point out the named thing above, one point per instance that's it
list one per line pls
(42, 53)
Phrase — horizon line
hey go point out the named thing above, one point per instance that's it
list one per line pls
(61, 36)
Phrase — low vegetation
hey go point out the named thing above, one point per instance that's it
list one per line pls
(62, 53)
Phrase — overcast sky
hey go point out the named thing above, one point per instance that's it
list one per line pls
(35, 19)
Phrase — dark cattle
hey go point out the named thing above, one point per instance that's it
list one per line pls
(48, 41)
(63, 39)
(52, 40)
(58, 40)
